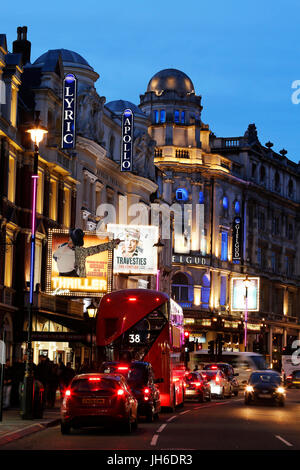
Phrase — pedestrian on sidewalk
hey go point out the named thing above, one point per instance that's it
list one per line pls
(7, 384)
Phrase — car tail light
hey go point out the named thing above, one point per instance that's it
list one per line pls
(204, 376)
(217, 379)
(289, 377)
(214, 367)
(68, 393)
(198, 384)
(132, 299)
(120, 392)
(94, 379)
(146, 391)
(123, 368)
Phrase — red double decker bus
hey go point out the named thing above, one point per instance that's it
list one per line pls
(145, 325)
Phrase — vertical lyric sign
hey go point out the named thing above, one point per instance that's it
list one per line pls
(237, 245)
(69, 112)
(127, 140)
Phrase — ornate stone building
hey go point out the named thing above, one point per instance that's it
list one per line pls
(227, 177)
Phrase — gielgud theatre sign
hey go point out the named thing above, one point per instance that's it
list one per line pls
(190, 259)
(79, 263)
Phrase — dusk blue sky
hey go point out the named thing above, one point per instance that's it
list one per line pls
(241, 56)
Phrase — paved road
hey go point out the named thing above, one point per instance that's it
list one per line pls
(227, 424)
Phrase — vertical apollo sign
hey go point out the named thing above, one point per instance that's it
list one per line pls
(237, 245)
(127, 140)
(69, 112)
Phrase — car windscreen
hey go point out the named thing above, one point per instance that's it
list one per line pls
(192, 378)
(259, 362)
(94, 385)
(267, 379)
(137, 376)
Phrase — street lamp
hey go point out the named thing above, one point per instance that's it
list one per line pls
(159, 245)
(92, 313)
(247, 283)
(37, 133)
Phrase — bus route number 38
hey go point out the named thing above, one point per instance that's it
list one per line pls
(134, 338)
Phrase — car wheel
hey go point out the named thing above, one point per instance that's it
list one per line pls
(247, 401)
(281, 403)
(65, 428)
(209, 397)
(222, 396)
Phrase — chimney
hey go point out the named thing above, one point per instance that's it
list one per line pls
(21, 45)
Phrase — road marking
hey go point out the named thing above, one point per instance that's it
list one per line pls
(161, 428)
(285, 442)
(183, 412)
(171, 419)
(154, 440)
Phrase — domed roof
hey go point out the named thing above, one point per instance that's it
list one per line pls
(69, 58)
(118, 106)
(171, 79)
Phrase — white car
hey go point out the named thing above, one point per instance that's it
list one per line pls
(220, 386)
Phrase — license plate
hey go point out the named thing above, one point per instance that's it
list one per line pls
(93, 401)
(189, 392)
(264, 394)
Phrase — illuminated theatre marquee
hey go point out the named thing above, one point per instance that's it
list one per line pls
(63, 276)
(69, 112)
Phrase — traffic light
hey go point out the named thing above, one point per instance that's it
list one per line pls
(186, 347)
(256, 347)
(220, 344)
(186, 336)
(211, 348)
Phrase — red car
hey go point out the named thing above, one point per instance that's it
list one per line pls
(197, 387)
(98, 400)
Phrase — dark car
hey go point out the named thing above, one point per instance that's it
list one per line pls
(140, 378)
(227, 369)
(293, 380)
(197, 387)
(265, 386)
(98, 400)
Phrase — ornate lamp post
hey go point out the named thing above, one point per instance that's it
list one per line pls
(37, 133)
(247, 285)
(159, 245)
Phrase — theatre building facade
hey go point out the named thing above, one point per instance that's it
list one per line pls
(234, 179)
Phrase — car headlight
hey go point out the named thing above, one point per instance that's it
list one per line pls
(280, 390)
(249, 388)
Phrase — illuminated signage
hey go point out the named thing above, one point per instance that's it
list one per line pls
(127, 140)
(237, 246)
(69, 112)
(78, 270)
(238, 294)
(136, 253)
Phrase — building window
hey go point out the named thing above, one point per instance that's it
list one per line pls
(182, 194)
(275, 226)
(156, 116)
(13, 109)
(176, 116)
(225, 205)
(162, 115)
(261, 220)
(205, 291)
(40, 193)
(259, 256)
(223, 292)
(11, 179)
(290, 232)
(201, 197)
(8, 262)
(53, 200)
(277, 182)
(182, 291)
(182, 117)
(224, 246)
(67, 207)
(253, 170)
(291, 189)
(111, 147)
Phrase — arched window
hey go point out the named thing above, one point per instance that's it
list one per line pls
(291, 188)
(201, 197)
(237, 207)
(205, 291)
(277, 181)
(262, 174)
(112, 147)
(182, 194)
(225, 203)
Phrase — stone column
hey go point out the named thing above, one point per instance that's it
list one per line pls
(284, 338)
(167, 190)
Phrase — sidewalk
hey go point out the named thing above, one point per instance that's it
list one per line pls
(13, 427)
